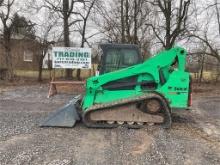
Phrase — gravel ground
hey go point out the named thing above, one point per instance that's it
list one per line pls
(193, 139)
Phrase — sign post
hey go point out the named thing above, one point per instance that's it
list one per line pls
(69, 58)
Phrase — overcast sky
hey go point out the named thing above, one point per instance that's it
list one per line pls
(41, 18)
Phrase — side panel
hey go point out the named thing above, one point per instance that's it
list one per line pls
(111, 96)
(176, 89)
(156, 72)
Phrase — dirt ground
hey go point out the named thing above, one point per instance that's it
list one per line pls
(193, 139)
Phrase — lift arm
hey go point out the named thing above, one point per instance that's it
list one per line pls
(155, 70)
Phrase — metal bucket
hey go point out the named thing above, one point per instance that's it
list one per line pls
(66, 116)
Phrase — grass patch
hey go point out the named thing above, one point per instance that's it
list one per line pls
(207, 75)
(47, 74)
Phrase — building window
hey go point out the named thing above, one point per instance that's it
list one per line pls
(28, 56)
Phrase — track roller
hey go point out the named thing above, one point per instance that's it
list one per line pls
(150, 124)
(120, 122)
(130, 122)
(110, 122)
(140, 123)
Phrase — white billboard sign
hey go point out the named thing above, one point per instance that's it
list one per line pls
(69, 57)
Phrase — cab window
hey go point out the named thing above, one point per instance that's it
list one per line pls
(120, 58)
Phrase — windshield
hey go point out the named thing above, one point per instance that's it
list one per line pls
(120, 58)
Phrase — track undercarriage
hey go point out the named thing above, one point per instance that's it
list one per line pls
(133, 113)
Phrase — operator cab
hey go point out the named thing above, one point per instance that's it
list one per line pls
(118, 56)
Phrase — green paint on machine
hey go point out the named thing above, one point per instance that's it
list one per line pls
(164, 73)
(147, 92)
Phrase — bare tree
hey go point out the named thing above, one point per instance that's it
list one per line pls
(212, 50)
(47, 29)
(45, 43)
(87, 9)
(206, 32)
(124, 21)
(218, 20)
(84, 14)
(7, 24)
(217, 15)
(171, 20)
(65, 9)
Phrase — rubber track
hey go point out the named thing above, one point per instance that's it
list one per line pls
(97, 107)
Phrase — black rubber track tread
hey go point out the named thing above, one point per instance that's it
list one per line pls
(166, 111)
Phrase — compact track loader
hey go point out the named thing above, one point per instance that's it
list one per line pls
(130, 92)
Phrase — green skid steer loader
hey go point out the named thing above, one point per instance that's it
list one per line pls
(130, 92)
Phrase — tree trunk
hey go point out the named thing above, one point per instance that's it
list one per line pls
(8, 58)
(217, 72)
(40, 68)
(78, 72)
(10, 71)
(135, 38)
(127, 21)
(201, 71)
(218, 15)
(83, 33)
(69, 72)
(168, 26)
(122, 22)
(40, 73)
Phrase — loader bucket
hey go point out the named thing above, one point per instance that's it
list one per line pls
(66, 116)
